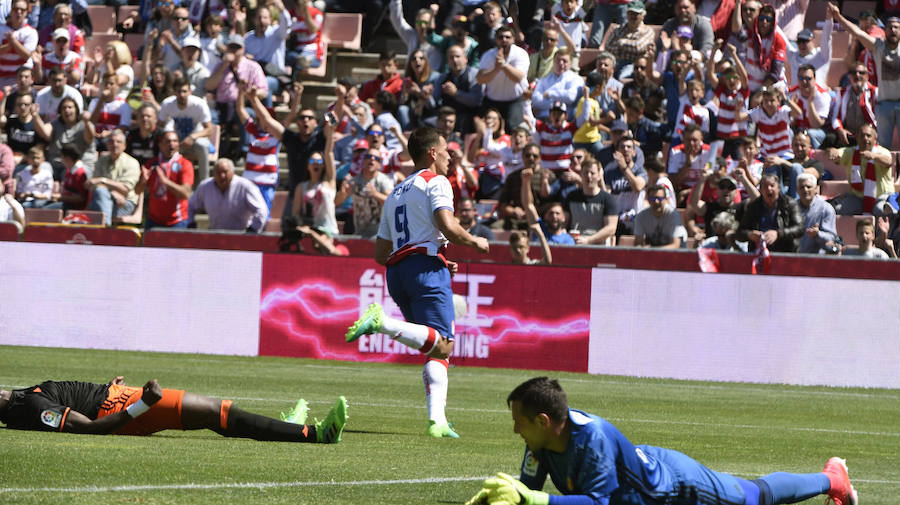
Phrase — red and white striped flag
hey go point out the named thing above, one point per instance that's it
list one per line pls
(709, 260)
(761, 258)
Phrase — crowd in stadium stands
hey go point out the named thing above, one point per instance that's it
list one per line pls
(671, 124)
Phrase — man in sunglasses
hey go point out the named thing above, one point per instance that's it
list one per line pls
(814, 101)
(886, 53)
(19, 41)
(173, 39)
(855, 106)
(805, 52)
(766, 50)
(659, 225)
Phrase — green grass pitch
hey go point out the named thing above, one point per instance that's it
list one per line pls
(385, 457)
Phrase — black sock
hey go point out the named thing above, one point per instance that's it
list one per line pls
(244, 424)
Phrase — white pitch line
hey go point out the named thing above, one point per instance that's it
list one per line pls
(234, 485)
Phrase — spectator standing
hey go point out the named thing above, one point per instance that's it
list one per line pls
(806, 53)
(142, 141)
(313, 202)
(766, 50)
(369, 190)
(420, 37)
(261, 167)
(308, 50)
(19, 128)
(49, 98)
(460, 90)
(189, 117)
(109, 111)
(232, 202)
(625, 178)
(593, 211)
(168, 178)
(266, 43)
(115, 59)
(773, 118)
(606, 13)
(417, 96)
(791, 16)
(502, 70)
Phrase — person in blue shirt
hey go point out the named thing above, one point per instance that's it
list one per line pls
(591, 462)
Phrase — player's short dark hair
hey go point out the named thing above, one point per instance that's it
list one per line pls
(420, 141)
(505, 28)
(541, 395)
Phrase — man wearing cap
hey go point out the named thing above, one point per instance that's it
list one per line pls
(48, 98)
(806, 53)
(887, 62)
(632, 40)
(686, 14)
(224, 83)
(708, 202)
(502, 70)
(62, 57)
(173, 39)
(561, 85)
(190, 67)
(62, 18)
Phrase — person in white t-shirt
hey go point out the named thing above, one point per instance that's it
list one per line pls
(48, 99)
(34, 185)
(188, 115)
(10, 209)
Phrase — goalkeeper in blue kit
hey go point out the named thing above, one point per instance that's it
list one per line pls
(591, 462)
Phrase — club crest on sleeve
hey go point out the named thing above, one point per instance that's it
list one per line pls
(51, 418)
(530, 466)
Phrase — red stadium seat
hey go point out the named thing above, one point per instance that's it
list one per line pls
(343, 31)
(93, 216)
(43, 216)
(625, 241)
(103, 18)
(846, 227)
(831, 189)
(10, 231)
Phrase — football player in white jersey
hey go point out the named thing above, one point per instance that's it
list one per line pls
(416, 224)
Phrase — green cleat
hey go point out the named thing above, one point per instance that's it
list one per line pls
(441, 430)
(369, 323)
(329, 430)
(297, 415)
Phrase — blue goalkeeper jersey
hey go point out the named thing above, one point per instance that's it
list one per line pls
(606, 468)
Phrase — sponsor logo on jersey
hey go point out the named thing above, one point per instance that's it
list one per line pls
(530, 466)
(51, 418)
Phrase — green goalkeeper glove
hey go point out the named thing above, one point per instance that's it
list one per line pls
(480, 498)
(505, 490)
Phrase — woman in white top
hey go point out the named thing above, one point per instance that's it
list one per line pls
(488, 159)
(116, 59)
(313, 200)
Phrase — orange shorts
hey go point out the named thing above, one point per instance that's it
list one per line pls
(163, 415)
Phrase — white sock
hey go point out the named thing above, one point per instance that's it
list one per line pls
(416, 336)
(434, 375)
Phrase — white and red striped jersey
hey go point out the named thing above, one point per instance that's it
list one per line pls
(262, 156)
(691, 114)
(677, 159)
(113, 114)
(10, 60)
(407, 219)
(774, 131)
(308, 41)
(556, 144)
(730, 104)
(821, 102)
(71, 61)
(868, 98)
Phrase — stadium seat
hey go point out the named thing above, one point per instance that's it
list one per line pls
(278, 203)
(835, 72)
(136, 217)
(43, 216)
(214, 137)
(135, 42)
(103, 18)
(94, 216)
(815, 14)
(343, 31)
(625, 241)
(846, 227)
(502, 235)
(838, 171)
(853, 8)
(840, 43)
(831, 189)
(10, 231)
(98, 40)
(586, 60)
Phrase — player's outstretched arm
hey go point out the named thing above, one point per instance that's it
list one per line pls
(455, 233)
(77, 422)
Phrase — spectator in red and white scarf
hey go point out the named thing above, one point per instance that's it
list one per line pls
(766, 50)
(854, 106)
(869, 175)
